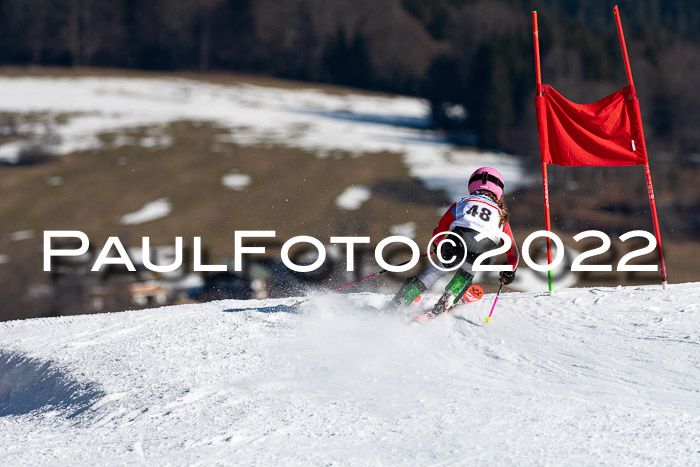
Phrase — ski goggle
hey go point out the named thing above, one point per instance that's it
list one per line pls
(484, 177)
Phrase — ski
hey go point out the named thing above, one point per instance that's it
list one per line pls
(474, 293)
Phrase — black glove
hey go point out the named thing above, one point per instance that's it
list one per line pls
(507, 277)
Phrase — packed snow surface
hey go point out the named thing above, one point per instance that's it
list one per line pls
(589, 376)
(323, 123)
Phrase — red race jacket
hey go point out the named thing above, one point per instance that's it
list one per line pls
(512, 255)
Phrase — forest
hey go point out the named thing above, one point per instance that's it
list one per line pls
(471, 59)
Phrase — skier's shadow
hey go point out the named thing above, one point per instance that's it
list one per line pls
(267, 309)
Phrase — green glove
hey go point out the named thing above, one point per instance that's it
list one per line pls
(507, 277)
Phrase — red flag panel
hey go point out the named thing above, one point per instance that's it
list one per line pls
(605, 133)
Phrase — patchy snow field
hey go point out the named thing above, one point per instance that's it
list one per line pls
(309, 119)
(588, 377)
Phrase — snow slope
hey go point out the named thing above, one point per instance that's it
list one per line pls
(590, 376)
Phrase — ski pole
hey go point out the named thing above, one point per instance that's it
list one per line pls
(488, 318)
(376, 274)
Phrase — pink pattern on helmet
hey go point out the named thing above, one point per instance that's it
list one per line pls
(482, 179)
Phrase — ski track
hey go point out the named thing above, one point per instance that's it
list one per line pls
(590, 376)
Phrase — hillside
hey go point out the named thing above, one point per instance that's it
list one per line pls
(222, 149)
(162, 155)
(589, 376)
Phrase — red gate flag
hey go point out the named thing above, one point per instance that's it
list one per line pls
(605, 133)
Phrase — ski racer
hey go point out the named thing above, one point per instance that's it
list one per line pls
(482, 211)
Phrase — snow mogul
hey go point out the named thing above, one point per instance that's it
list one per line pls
(482, 211)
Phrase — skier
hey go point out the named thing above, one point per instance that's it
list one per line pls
(482, 211)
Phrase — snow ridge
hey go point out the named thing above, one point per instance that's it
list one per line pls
(32, 385)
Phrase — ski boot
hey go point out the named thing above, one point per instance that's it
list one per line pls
(410, 292)
(454, 291)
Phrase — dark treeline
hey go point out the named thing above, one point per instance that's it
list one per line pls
(472, 59)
